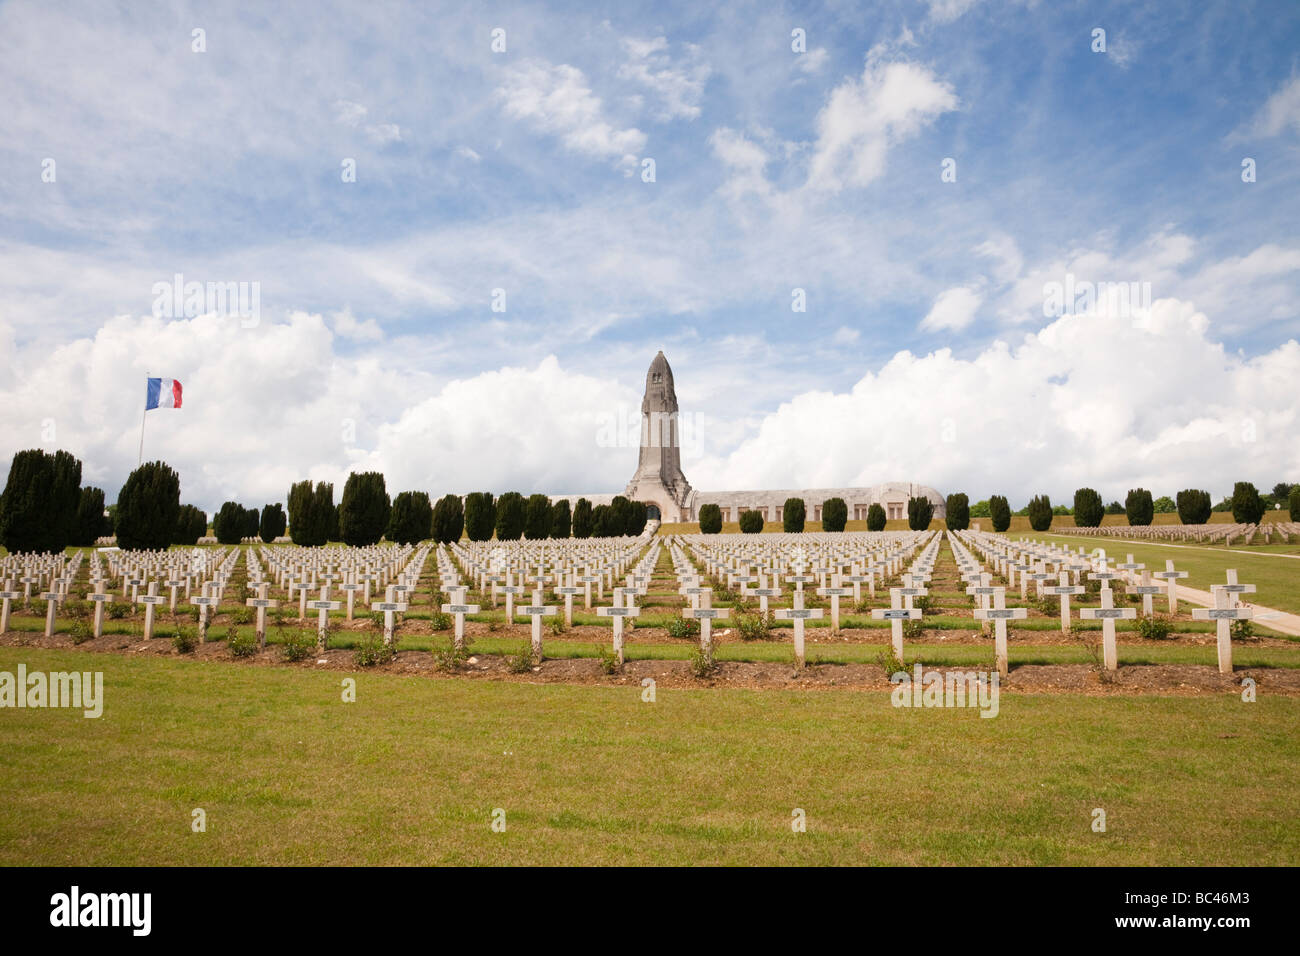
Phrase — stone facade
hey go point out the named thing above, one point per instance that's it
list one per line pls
(661, 484)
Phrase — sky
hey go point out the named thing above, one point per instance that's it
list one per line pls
(866, 236)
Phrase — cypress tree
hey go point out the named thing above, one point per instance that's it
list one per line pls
(1088, 509)
(510, 516)
(537, 517)
(793, 515)
(148, 507)
(582, 520)
(710, 519)
(272, 522)
(1000, 512)
(364, 509)
(958, 509)
(449, 520)
(480, 515)
(561, 519)
(835, 514)
(876, 518)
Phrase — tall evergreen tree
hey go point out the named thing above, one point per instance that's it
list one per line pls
(710, 519)
(1088, 508)
(272, 523)
(1247, 505)
(582, 520)
(957, 507)
(1000, 513)
(449, 519)
(1040, 512)
(561, 519)
(148, 507)
(364, 509)
(229, 524)
(511, 509)
(835, 514)
(537, 517)
(1139, 507)
(920, 511)
(412, 518)
(794, 515)
(90, 516)
(38, 508)
(876, 518)
(480, 515)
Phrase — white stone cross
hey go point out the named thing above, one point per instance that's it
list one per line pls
(262, 602)
(1063, 591)
(798, 615)
(999, 613)
(204, 602)
(150, 600)
(7, 595)
(834, 593)
(52, 601)
(459, 611)
(100, 600)
(618, 614)
(1108, 614)
(896, 614)
(536, 612)
(706, 616)
(1171, 576)
(390, 608)
(1223, 615)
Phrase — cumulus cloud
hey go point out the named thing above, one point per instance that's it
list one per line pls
(557, 100)
(268, 406)
(1108, 401)
(863, 117)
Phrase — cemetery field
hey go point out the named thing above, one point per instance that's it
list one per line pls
(1277, 577)
(412, 771)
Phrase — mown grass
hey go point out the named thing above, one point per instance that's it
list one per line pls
(411, 773)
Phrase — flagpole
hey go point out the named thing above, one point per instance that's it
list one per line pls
(140, 459)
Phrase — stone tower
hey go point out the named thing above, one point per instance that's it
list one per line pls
(659, 480)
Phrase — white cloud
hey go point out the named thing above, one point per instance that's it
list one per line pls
(352, 115)
(845, 336)
(863, 117)
(1105, 401)
(347, 326)
(813, 61)
(953, 310)
(466, 153)
(945, 11)
(744, 160)
(678, 87)
(558, 101)
(1282, 110)
(267, 406)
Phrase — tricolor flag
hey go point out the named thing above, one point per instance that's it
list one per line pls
(163, 393)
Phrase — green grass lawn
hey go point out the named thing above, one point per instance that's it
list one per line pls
(411, 773)
(1277, 578)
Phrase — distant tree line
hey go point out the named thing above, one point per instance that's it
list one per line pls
(45, 508)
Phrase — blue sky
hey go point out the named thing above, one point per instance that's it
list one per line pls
(923, 345)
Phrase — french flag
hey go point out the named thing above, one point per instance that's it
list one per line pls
(163, 393)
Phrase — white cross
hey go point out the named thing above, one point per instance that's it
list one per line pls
(1108, 614)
